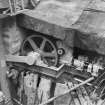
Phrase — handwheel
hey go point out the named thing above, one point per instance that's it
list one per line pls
(43, 46)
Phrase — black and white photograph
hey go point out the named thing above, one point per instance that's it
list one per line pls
(52, 52)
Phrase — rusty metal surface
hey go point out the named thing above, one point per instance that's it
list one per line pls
(60, 13)
(92, 19)
(91, 27)
(53, 17)
(62, 19)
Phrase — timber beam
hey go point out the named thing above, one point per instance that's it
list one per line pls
(65, 73)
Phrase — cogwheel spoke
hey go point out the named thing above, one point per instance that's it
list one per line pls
(49, 54)
(43, 44)
(33, 44)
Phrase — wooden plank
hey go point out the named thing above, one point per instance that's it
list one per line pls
(64, 72)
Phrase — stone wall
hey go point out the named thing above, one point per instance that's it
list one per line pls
(12, 35)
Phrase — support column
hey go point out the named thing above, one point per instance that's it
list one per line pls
(10, 42)
(3, 69)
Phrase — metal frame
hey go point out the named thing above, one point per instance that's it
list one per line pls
(13, 6)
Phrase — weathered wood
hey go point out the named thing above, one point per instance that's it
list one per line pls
(48, 72)
(44, 90)
(30, 89)
(75, 87)
(64, 100)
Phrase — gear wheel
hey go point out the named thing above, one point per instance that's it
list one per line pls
(43, 46)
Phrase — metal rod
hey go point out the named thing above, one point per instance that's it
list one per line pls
(10, 4)
(75, 87)
(18, 102)
(22, 3)
(82, 81)
(21, 59)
